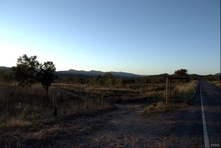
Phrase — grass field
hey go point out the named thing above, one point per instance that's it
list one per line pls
(15, 100)
(27, 114)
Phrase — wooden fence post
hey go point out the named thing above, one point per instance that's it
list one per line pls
(169, 90)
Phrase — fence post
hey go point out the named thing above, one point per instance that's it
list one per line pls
(169, 98)
(55, 104)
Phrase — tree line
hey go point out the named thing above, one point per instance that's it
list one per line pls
(29, 71)
(109, 80)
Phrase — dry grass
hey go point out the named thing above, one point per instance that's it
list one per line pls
(35, 103)
(28, 119)
(47, 130)
(183, 92)
(33, 123)
(182, 97)
(37, 127)
(216, 83)
(186, 87)
(161, 107)
(127, 94)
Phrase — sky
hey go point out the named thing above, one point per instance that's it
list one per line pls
(138, 36)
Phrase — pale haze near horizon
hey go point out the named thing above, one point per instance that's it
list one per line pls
(142, 37)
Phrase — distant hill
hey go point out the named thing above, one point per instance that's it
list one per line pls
(3, 67)
(93, 73)
(82, 73)
(6, 69)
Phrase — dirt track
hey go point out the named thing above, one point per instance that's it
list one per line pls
(128, 128)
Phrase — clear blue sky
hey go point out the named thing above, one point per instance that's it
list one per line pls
(143, 37)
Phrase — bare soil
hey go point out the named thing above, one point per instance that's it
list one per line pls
(121, 127)
(127, 127)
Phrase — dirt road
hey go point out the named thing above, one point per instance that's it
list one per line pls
(128, 128)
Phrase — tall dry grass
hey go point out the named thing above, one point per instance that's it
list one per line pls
(16, 104)
(181, 97)
(183, 91)
(216, 83)
(28, 120)
(123, 93)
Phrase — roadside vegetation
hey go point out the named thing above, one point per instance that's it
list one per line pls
(214, 79)
(29, 92)
(180, 97)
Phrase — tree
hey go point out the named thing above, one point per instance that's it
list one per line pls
(46, 75)
(181, 72)
(98, 80)
(25, 71)
(108, 78)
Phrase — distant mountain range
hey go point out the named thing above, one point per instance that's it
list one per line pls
(92, 73)
(6, 69)
(82, 73)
